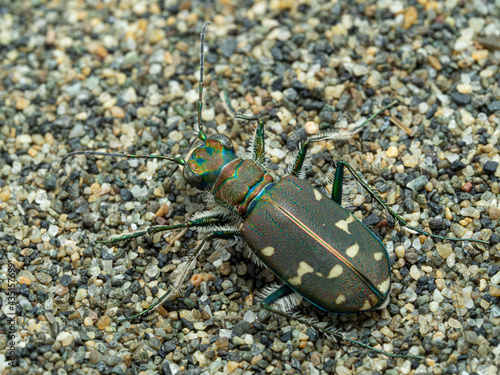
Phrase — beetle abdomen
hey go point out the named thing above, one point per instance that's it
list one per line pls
(318, 248)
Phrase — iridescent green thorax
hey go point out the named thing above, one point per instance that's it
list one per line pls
(239, 183)
(207, 162)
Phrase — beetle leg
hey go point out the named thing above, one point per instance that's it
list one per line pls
(258, 142)
(337, 184)
(375, 196)
(285, 290)
(174, 289)
(343, 135)
(301, 157)
(196, 223)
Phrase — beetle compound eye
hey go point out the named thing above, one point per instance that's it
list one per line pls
(193, 178)
(224, 140)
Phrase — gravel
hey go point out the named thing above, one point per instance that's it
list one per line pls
(124, 78)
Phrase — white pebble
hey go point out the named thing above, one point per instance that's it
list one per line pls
(66, 338)
(277, 95)
(81, 294)
(191, 96)
(175, 136)
(423, 108)
(437, 296)
(129, 95)
(208, 114)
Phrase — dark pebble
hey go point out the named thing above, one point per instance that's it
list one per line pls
(228, 47)
(451, 369)
(241, 328)
(494, 106)
(457, 165)
(126, 195)
(187, 324)
(461, 99)
(291, 106)
(277, 84)
(277, 53)
(166, 368)
(65, 280)
(492, 270)
(329, 366)
(297, 85)
(291, 94)
(371, 219)
(310, 105)
(326, 116)
(286, 336)
(296, 364)
(437, 224)
(117, 370)
(50, 181)
(312, 334)
(343, 102)
(408, 205)
(169, 346)
(494, 239)
(232, 356)
(490, 167)
(295, 137)
(41, 296)
(367, 107)
(431, 111)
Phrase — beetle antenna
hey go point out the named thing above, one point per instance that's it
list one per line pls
(358, 128)
(201, 132)
(179, 160)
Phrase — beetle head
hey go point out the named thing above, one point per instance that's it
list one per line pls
(207, 161)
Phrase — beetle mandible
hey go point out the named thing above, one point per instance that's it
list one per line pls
(313, 245)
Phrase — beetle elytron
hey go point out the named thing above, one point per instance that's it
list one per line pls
(317, 248)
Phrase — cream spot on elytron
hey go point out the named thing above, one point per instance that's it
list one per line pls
(384, 286)
(268, 251)
(335, 271)
(378, 255)
(318, 195)
(342, 224)
(303, 269)
(340, 299)
(366, 306)
(353, 250)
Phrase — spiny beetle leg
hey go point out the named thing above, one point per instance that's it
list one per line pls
(375, 196)
(220, 234)
(285, 290)
(199, 222)
(302, 153)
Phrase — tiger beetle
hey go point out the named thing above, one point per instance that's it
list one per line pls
(310, 242)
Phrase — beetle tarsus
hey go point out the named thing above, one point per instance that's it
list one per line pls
(320, 328)
(400, 220)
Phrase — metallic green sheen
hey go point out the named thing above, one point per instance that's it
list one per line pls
(239, 182)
